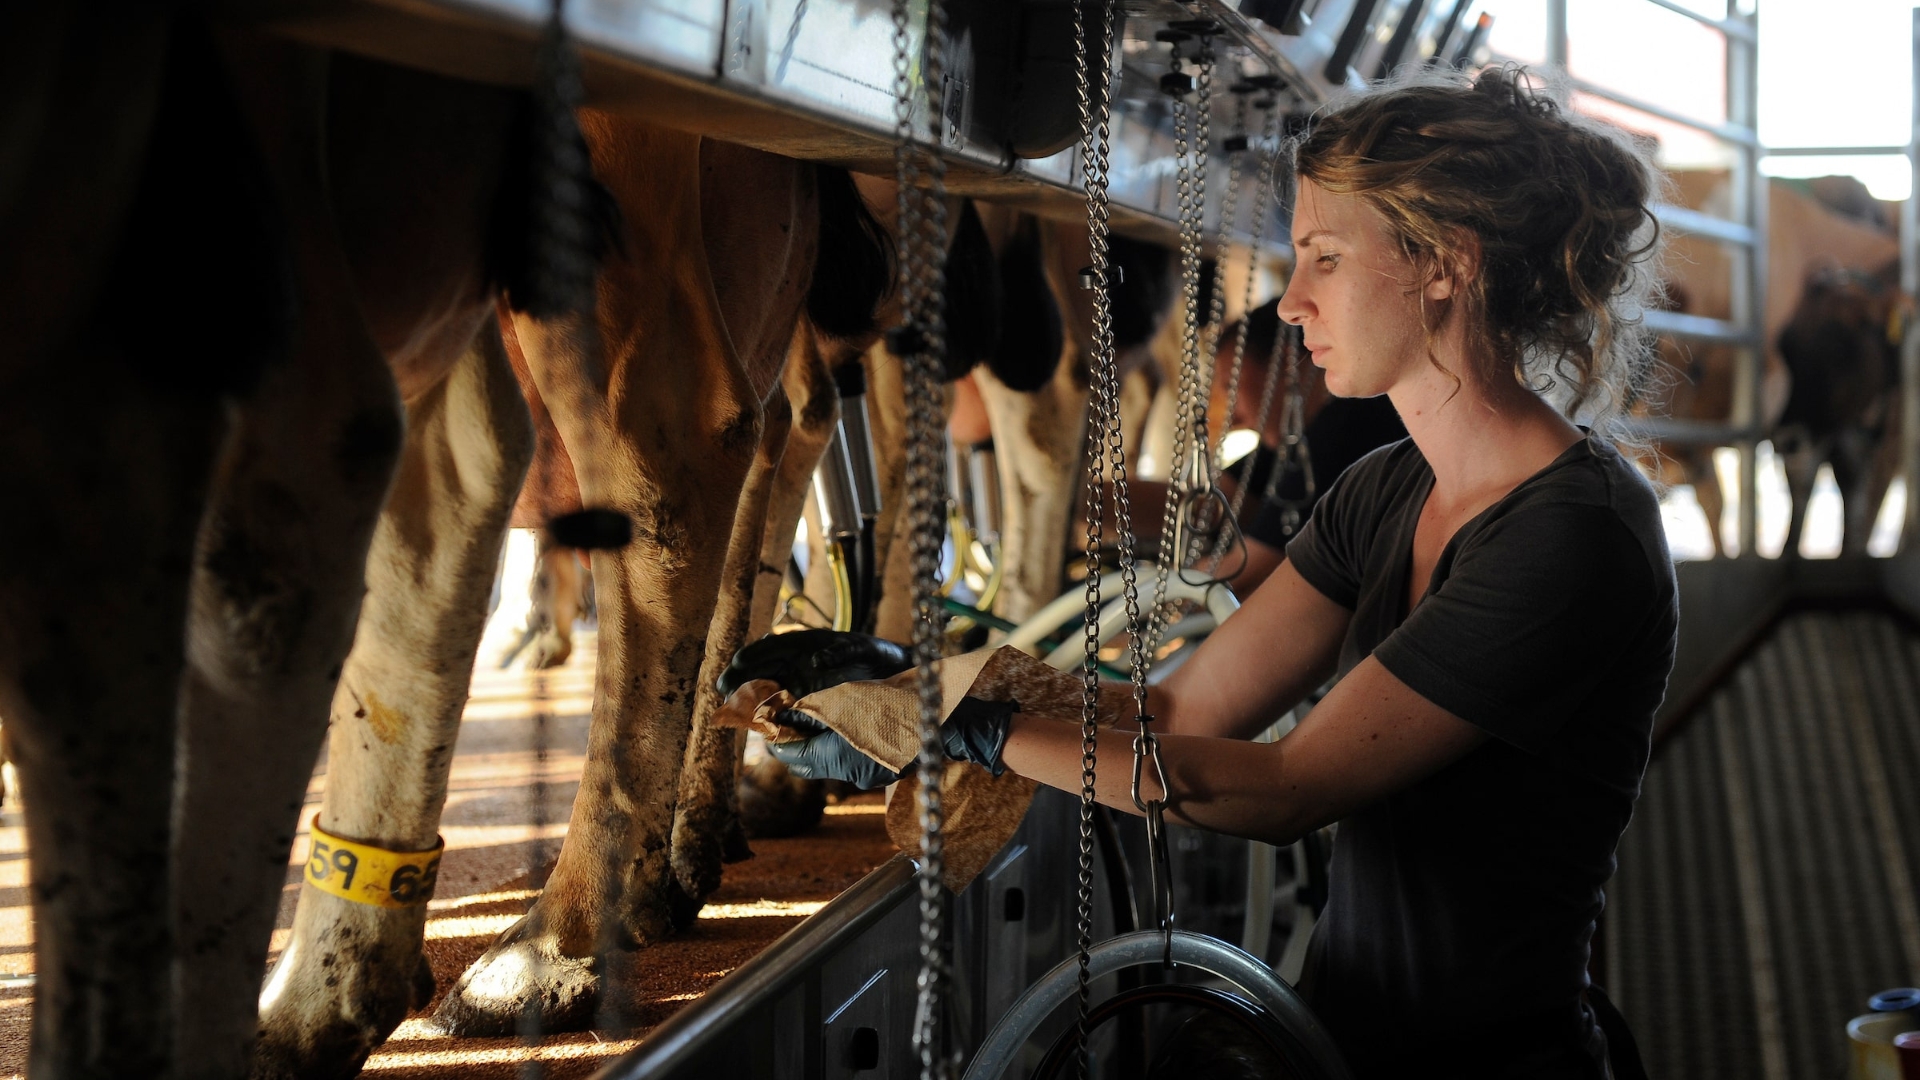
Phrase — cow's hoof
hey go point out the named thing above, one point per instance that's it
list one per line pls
(522, 985)
(775, 803)
(337, 993)
(549, 650)
(683, 907)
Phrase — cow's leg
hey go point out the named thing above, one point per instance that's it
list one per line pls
(93, 599)
(1801, 462)
(109, 429)
(608, 892)
(277, 585)
(706, 823)
(1855, 473)
(558, 579)
(771, 802)
(1036, 440)
(351, 970)
(1700, 472)
(677, 425)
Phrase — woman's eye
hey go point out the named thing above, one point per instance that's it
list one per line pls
(1328, 260)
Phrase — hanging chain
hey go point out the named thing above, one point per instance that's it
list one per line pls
(920, 343)
(1217, 293)
(1190, 479)
(1095, 127)
(1294, 453)
(1265, 178)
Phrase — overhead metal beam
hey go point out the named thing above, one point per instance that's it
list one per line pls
(1738, 134)
(1700, 328)
(1835, 151)
(1733, 28)
(1681, 219)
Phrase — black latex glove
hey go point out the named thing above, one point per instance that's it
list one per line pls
(808, 661)
(827, 756)
(976, 731)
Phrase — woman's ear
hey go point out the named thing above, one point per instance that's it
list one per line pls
(1455, 268)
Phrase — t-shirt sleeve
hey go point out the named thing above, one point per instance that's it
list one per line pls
(1330, 551)
(1528, 621)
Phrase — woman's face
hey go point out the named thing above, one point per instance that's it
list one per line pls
(1353, 295)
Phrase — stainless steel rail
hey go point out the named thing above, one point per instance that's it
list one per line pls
(812, 79)
(763, 979)
(1681, 219)
(1701, 328)
(1747, 231)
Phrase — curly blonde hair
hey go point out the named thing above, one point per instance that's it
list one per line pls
(1558, 205)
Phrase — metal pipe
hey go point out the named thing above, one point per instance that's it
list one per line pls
(1732, 27)
(1557, 35)
(1835, 151)
(857, 430)
(1734, 331)
(834, 487)
(1733, 132)
(983, 471)
(764, 978)
(1669, 429)
(1681, 219)
(1910, 345)
(1749, 273)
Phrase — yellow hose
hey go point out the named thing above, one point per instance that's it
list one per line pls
(842, 587)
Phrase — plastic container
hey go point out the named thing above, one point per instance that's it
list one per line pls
(1904, 999)
(1870, 1053)
(1906, 1047)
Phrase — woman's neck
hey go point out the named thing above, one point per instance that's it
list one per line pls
(1480, 440)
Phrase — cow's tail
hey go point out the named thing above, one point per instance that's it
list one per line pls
(1032, 333)
(553, 224)
(973, 295)
(853, 271)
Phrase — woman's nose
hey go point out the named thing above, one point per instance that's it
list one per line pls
(1293, 307)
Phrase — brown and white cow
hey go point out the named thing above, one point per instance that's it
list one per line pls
(1803, 237)
(209, 501)
(693, 330)
(1842, 347)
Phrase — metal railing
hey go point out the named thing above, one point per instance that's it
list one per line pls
(1744, 230)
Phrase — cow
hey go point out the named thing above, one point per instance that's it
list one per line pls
(210, 499)
(1698, 379)
(225, 498)
(694, 326)
(1842, 348)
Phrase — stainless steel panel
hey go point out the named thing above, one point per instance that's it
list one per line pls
(1008, 896)
(681, 35)
(858, 1037)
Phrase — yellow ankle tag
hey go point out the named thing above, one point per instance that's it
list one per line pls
(369, 875)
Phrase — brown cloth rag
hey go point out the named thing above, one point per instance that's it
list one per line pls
(882, 720)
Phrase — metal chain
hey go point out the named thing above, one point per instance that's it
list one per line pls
(1294, 452)
(1217, 293)
(1095, 121)
(1229, 206)
(1266, 176)
(1190, 474)
(920, 343)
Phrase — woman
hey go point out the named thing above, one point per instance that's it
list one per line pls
(1493, 594)
(1339, 431)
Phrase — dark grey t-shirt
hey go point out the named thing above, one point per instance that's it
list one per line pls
(1462, 907)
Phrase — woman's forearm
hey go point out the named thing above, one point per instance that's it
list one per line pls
(1225, 785)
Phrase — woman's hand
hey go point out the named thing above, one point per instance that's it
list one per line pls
(827, 756)
(976, 731)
